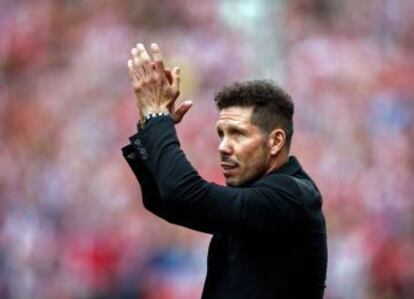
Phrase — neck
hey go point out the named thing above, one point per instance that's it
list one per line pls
(278, 161)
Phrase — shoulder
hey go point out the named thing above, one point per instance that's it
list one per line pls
(279, 181)
(297, 187)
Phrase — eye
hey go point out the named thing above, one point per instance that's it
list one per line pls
(220, 133)
(236, 132)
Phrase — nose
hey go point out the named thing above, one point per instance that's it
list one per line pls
(225, 147)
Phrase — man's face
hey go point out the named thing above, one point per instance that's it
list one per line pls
(243, 148)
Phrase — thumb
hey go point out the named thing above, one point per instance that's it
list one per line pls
(181, 110)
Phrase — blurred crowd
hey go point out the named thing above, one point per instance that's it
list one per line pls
(72, 224)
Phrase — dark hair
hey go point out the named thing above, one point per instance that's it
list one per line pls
(272, 106)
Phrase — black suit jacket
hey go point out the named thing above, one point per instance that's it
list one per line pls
(269, 237)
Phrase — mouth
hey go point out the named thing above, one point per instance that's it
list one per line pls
(228, 168)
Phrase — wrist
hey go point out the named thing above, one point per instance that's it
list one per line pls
(147, 117)
(154, 110)
(154, 115)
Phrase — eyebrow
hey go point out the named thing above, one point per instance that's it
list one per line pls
(231, 127)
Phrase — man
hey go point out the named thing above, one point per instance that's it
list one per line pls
(269, 236)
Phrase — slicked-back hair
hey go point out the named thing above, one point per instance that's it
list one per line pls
(272, 107)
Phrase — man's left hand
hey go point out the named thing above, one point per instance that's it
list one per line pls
(156, 88)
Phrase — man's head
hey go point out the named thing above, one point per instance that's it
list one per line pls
(255, 127)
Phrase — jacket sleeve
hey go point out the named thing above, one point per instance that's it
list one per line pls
(149, 190)
(271, 204)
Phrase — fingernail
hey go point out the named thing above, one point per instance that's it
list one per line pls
(154, 46)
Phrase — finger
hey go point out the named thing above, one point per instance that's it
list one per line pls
(176, 79)
(181, 110)
(132, 73)
(137, 62)
(157, 57)
(168, 75)
(144, 58)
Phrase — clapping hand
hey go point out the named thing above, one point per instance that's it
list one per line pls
(156, 88)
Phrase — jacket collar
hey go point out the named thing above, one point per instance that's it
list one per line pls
(290, 167)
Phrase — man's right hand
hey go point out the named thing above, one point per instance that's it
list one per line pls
(177, 112)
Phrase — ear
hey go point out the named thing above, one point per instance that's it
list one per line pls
(277, 140)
